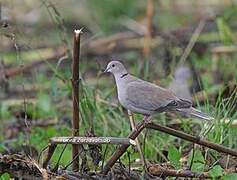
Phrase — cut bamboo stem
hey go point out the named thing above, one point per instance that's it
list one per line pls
(92, 140)
(75, 96)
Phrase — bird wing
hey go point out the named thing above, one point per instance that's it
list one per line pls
(148, 96)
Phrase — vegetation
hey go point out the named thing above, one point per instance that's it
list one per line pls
(36, 104)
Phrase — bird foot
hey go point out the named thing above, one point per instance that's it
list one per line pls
(198, 137)
(148, 119)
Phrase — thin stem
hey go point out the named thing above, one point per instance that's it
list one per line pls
(75, 96)
(193, 139)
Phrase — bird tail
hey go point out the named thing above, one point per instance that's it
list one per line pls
(192, 112)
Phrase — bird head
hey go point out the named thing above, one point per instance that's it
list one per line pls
(115, 67)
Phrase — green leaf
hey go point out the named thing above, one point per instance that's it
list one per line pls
(4, 112)
(198, 161)
(5, 176)
(216, 171)
(174, 156)
(197, 167)
(224, 31)
(231, 176)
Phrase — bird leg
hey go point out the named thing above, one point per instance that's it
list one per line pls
(133, 126)
(122, 149)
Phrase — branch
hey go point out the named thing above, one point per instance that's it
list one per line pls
(50, 152)
(157, 170)
(191, 138)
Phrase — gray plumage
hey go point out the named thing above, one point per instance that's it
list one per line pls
(143, 97)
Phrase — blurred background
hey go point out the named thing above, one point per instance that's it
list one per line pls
(186, 45)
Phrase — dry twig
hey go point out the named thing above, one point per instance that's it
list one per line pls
(157, 170)
(51, 149)
(193, 139)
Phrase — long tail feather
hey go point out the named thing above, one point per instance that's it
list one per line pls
(192, 112)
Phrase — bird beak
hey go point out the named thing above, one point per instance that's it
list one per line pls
(106, 70)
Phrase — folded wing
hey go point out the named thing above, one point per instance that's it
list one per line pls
(147, 96)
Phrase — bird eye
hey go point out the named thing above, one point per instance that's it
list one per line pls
(113, 65)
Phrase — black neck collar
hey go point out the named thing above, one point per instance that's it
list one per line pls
(122, 76)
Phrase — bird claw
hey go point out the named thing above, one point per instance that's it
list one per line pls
(148, 119)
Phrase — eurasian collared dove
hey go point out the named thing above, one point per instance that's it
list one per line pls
(143, 97)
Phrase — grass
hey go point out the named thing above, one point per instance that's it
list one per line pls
(113, 121)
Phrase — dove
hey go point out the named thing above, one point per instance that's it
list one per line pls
(146, 98)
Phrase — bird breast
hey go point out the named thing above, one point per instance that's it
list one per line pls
(122, 95)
